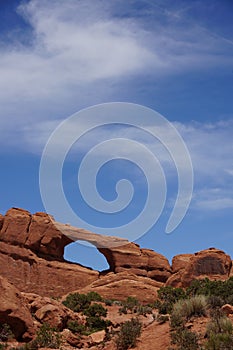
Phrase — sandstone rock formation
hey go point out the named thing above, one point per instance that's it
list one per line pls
(124, 284)
(141, 262)
(212, 263)
(32, 248)
(31, 257)
(14, 312)
(50, 311)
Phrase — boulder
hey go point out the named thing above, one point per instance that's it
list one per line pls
(98, 337)
(36, 232)
(227, 309)
(141, 262)
(210, 263)
(14, 312)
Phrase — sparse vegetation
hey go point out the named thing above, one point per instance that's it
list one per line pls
(5, 332)
(80, 302)
(3, 346)
(128, 334)
(95, 310)
(185, 339)
(133, 306)
(75, 327)
(77, 302)
(202, 298)
(219, 332)
(221, 289)
(130, 304)
(47, 337)
(187, 308)
(168, 296)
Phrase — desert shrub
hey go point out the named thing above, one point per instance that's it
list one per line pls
(77, 302)
(47, 337)
(168, 297)
(96, 323)
(130, 304)
(128, 334)
(171, 294)
(93, 296)
(75, 327)
(215, 301)
(220, 341)
(176, 320)
(219, 332)
(5, 332)
(221, 325)
(144, 310)
(222, 289)
(109, 302)
(26, 346)
(96, 310)
(194, 306)
(185, 339)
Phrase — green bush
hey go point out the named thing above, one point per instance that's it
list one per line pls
(220, 341)
(130, 304)
(47, 337)
(96, 310)
(80, 302)
(3, 346)
(186, 308)
(176, 320)
(222, 289)
(93, 296)
(219, 332)
(77, 302)
(95, 323)
(135, 307)
(5, 332)
(185, 339)
(109, 302)
(215, 301)
(219, 325)
(144, 310)
(75, 327)
(168, 297)
(128, 334)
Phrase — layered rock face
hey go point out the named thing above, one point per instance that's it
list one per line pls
(31, 257)
(141, 262)
(32, 248)
(14, 312)
(211, 263)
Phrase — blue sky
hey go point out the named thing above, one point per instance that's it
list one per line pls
(175, 57)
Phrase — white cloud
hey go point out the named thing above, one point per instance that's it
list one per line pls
(210, 146)
(80, 52)
(213, 199)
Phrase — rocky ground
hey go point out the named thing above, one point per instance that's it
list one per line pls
(35, 281)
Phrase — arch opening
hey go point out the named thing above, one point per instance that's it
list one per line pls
(86, 255)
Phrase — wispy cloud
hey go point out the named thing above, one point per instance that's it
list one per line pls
(213, 199)
(210, 146)
(79, 53)
(82, 52)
